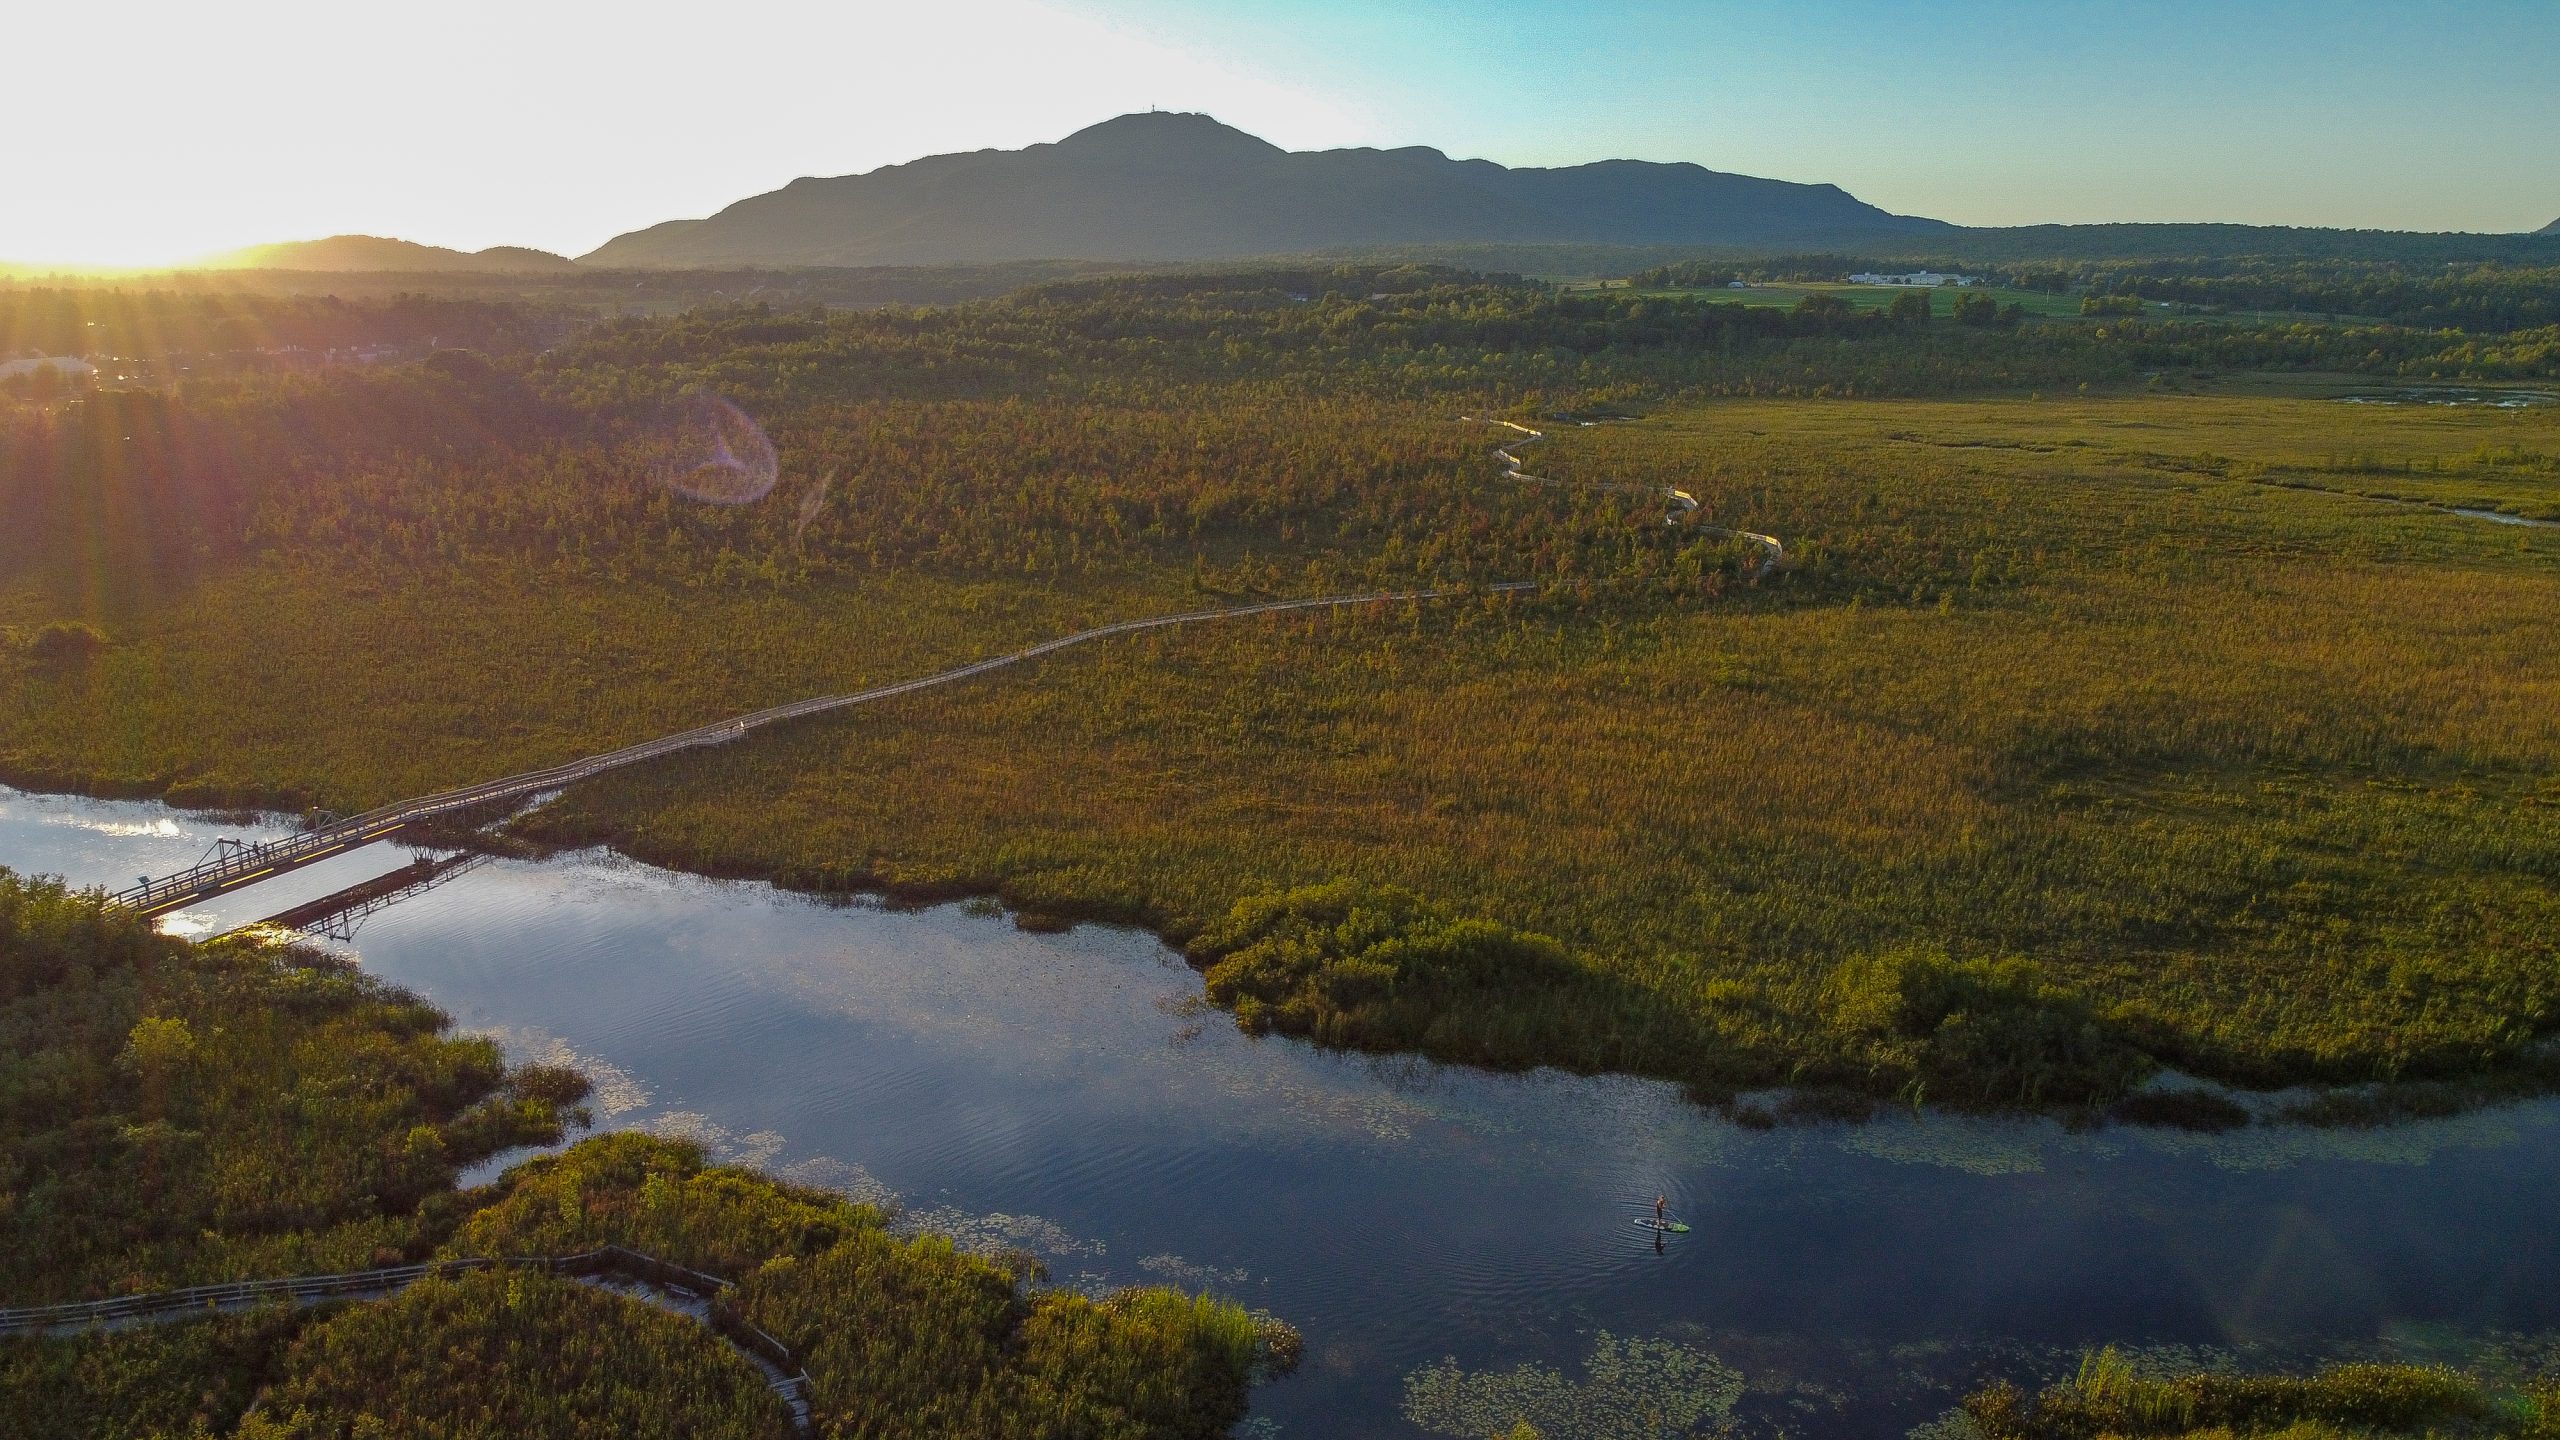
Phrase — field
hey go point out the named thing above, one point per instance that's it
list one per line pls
(2085, 734)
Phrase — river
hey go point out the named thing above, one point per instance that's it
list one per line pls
(1070, 1094)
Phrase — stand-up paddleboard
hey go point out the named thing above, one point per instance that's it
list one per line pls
(1668, 1227)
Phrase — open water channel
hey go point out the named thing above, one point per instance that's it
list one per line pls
(1451, 1243)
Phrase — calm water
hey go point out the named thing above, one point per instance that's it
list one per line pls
(2453, 395)
(1069, 1095)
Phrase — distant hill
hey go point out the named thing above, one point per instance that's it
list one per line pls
(1159, 187)
(374, 252)
(2551, 229)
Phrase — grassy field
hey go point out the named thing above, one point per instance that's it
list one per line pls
(2078, 741)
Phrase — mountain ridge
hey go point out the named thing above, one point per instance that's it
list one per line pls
(379, 252)
(1164, 186)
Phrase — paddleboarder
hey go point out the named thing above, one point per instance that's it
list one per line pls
(1661, 1211)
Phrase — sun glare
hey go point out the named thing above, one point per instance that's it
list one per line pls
(190, 164)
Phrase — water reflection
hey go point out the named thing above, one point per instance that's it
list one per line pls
(1068, 1094)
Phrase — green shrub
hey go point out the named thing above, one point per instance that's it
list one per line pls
(658, 1197)
(2110, 1397)
(172, 1114)
(915, 1339)
(515, 1355)
(1352, 965)
(153, 1382)
(65, 644)
(1981, 1031)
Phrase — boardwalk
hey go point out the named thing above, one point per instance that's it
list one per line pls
(238, 863)
(660, 1281)
(245, 864)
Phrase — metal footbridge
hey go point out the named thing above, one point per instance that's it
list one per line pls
(235, 863)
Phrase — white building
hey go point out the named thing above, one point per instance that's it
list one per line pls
(1915, 277)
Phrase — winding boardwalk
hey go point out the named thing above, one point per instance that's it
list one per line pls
(238, 864)
(647, 1278)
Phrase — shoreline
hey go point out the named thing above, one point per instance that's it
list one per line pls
(2168, 1098)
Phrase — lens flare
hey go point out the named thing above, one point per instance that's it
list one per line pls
(719, 456)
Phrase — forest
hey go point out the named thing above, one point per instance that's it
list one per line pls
(2479, 298)
(159, 326)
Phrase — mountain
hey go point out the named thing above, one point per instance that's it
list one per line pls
(2551, 229)
(1164, 186)
(374, 252)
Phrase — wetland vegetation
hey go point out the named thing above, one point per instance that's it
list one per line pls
(2118, 712)
(173, 1114)
(2113, 1396)
(2101, 723)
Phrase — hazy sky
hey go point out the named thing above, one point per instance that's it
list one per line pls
(153, 130)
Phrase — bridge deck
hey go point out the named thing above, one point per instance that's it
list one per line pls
(246, 865)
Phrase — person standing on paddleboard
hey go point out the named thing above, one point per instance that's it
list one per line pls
(1661, 1210)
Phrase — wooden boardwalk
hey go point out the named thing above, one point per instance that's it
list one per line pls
(783, 1370)
(239, 864)
(245, 863)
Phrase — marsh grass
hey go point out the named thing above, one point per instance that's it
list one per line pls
(195, 1378)
(2250, 780)
(902, 1336)
(2111, 1396)
(174, 1114)
(498, 1355)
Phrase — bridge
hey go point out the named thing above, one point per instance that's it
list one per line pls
(337, 916)
(237, 863)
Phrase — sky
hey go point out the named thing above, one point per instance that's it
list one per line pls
(155, 131)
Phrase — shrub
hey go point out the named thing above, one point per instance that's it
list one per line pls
(175, 1113)
(190, 1378)
(658, 1197)
(2110, 1397)
(1981, 1031)
(1352, 965)
(65, 645)
(516, 1355)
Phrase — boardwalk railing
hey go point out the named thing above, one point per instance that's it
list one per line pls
(787, 1375)
(608, 1259)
